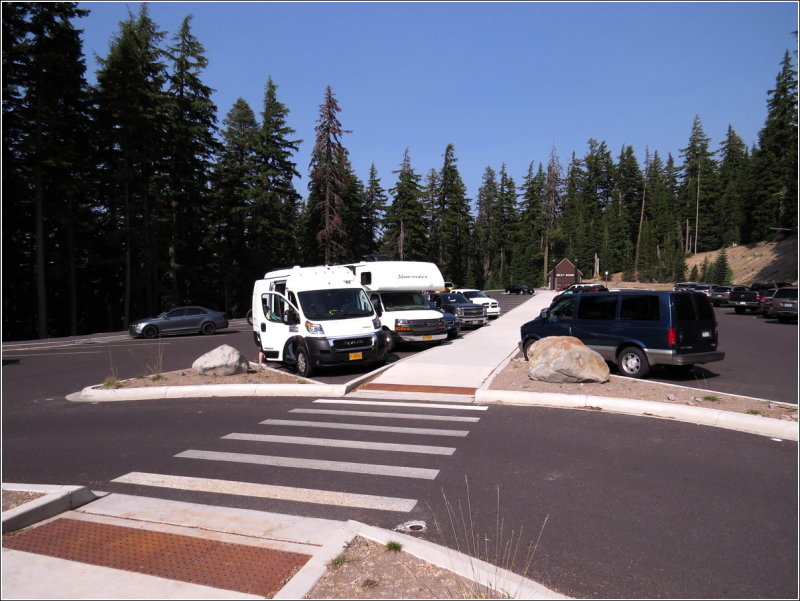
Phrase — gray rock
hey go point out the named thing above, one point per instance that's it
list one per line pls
(222, 361)
(565, 359)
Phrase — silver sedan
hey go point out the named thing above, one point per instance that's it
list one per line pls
(180, 320)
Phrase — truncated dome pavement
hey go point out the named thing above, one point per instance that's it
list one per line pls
(227, 566)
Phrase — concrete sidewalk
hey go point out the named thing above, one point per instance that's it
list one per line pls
(240, 553)
(466, 363)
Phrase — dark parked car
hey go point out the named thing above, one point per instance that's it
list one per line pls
(451, 322)
(756, 286)
(634, 329)
(519, 289)
(578, 289)
(180, 320)
(784, 304)
(721, 294)
(684, 286)
(469, 314)
(765, 300)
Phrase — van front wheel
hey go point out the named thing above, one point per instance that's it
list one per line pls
(303, 362)
(632, 362)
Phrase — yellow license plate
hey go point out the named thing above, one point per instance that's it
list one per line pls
(427, 337)
(356, 356)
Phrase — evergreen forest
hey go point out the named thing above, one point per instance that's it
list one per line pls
(128, 196)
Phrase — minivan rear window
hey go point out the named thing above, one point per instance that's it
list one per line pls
(704, 308)
(640, 308)
(598, 307)
(684, 308)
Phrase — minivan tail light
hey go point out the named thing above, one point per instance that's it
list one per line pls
(672, 337)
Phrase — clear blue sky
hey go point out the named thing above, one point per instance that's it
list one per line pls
(504, 82)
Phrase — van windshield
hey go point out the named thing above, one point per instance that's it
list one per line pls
(337, 303)
(403, 301)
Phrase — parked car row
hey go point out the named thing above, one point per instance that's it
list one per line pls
(758, 298)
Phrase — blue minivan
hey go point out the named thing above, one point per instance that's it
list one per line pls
(634, 329)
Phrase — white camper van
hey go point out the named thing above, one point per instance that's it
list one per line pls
(309, 317)
(396, 289)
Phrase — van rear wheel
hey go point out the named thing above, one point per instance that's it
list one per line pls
(387, 336)
(633, 363)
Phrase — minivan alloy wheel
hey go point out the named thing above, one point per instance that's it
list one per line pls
(632, 362)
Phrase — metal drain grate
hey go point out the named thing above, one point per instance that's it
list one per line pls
(222, 565)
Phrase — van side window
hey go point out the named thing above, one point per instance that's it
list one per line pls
(684, 309)
(598, 307)
(640, 308)
(565, 309)
(273, 307)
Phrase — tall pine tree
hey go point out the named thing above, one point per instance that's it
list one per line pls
(774, 202)
(405, 233)
(330, 177)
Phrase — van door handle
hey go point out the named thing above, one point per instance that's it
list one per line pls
(263, 327)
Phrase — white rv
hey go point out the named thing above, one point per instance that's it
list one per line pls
(309, 317)
(396, 289)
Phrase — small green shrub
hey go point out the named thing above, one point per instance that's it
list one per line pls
(337, 562)
(393, 546)
(112, 382)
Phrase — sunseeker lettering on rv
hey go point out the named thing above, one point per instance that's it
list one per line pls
(405, 277)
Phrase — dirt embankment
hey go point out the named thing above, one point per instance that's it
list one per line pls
(760, 262)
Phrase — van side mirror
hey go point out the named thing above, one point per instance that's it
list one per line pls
(290, 317)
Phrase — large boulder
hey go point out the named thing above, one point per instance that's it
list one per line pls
(222, 361)
(565, 359)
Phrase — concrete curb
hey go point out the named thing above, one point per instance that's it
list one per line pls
(57, 499)
(94, 394)
(752, 424)
(307, 577)
(476, 570)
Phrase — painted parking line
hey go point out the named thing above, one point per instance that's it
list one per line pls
(334, 425)
(343, 444)
(268, 491)
(397, 471)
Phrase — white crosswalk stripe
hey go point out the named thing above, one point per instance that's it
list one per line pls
(345, 444)
(397, 471)
(387, 415)
(269, 491)
(362, 427)
(452, 406)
